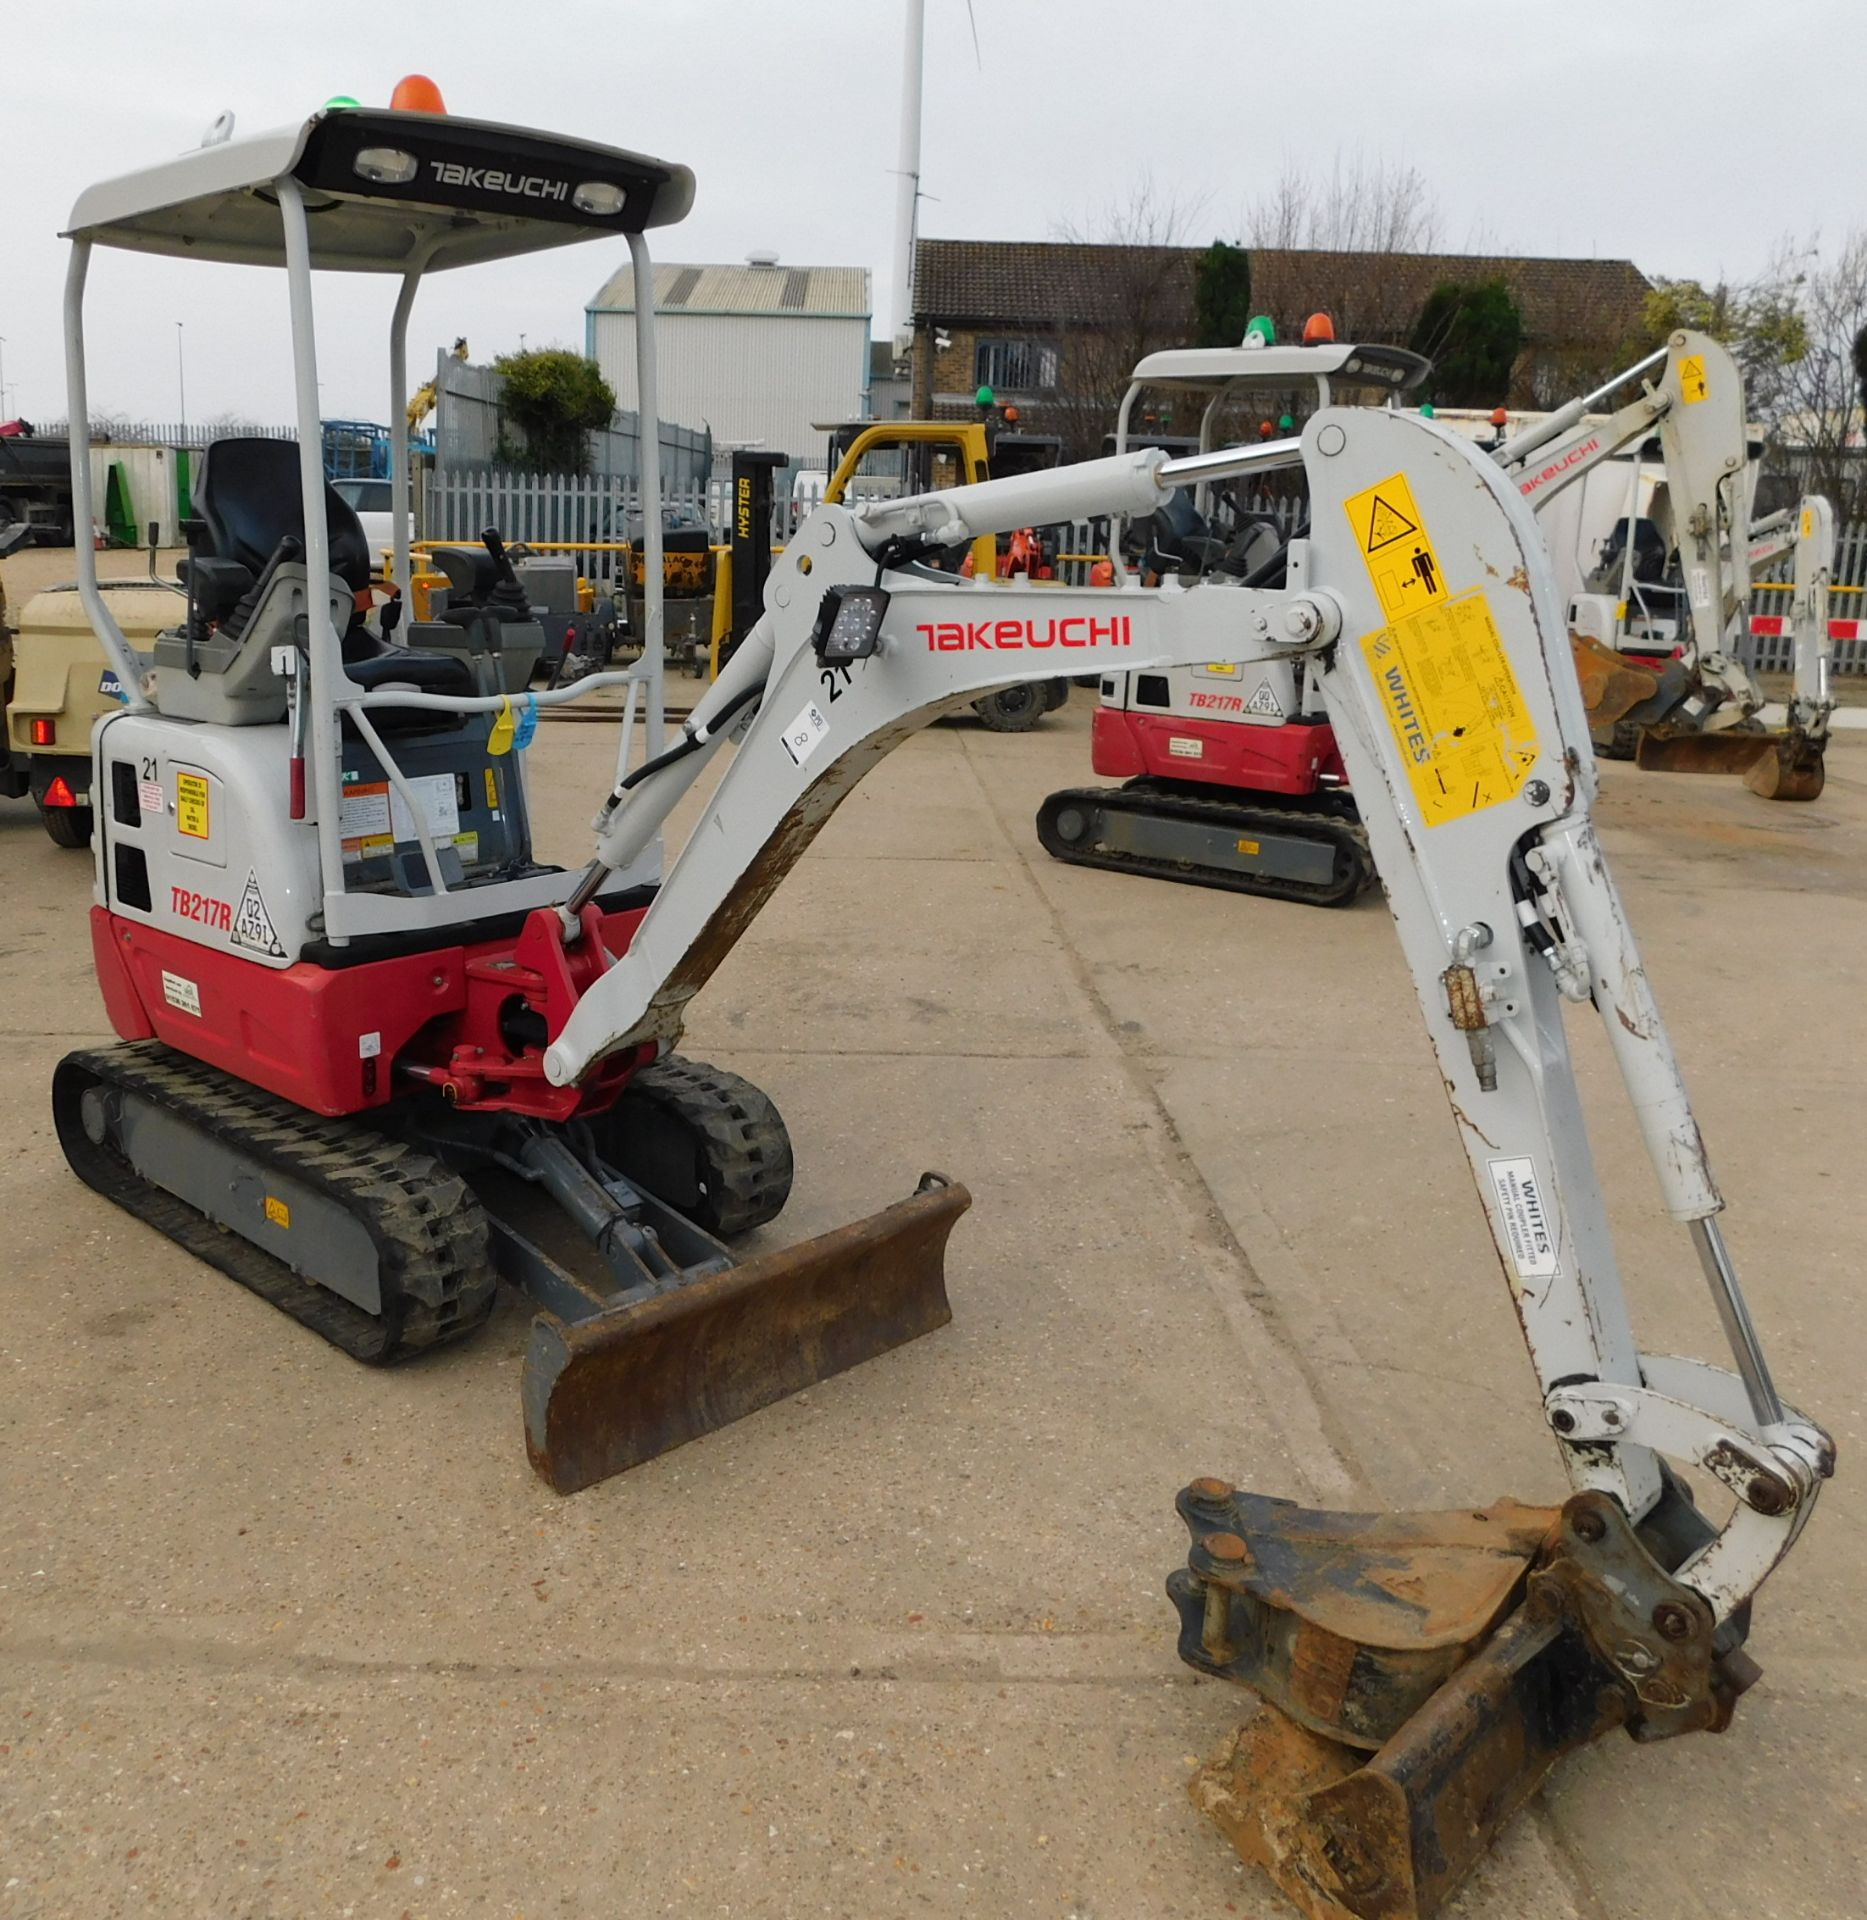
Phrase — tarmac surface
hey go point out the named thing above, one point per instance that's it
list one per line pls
(280, 1635)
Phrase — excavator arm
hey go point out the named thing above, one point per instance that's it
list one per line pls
(1424, 596)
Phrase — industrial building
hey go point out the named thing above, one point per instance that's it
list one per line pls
(758, 353)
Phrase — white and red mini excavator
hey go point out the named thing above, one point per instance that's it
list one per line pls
(375, 1057)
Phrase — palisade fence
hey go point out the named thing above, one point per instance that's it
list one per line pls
(107, 430)
(543, 510)
(1771, 591)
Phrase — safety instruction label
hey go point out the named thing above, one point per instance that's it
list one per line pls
(252, 924)
(372, 818)
(1693, 386)
(1521, 1208)
(191, 805)
(277, 1211)
(149, 797)
(1184, 747)
(1396, 547)
(1457, 713)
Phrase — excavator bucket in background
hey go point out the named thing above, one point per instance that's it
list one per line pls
(1611, 686)
(636, 1375)
(1421, 1673)
(1733, 751)
(1795, 770)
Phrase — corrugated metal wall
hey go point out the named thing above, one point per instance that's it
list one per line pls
(750, 377)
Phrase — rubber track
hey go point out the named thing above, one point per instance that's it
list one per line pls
(1330, 818)
(434, 1253)
(742, 1134)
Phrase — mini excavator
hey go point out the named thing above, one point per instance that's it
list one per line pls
(1659, 621)
(374, 1056)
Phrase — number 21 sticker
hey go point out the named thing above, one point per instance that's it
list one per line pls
(806, 733)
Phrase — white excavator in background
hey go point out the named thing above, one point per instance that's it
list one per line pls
(1659, 621)
(375, 1056)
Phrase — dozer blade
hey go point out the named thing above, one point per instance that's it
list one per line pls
(1796, 770)
(604, 1394)
(1469, 1651)
(1727, 752)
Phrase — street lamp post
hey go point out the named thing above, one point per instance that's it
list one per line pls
(181, 377)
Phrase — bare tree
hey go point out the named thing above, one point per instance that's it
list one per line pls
(1817, 416)
(1360, 205)
(1123, 288)
(1379, 215)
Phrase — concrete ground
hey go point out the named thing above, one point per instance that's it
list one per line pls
(282, 1636)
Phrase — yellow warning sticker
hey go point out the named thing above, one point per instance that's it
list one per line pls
(1808, 523)
(1250, 846)
(1397, 548)
(191, 815)
(1458, 716)
(1226, 669)
(278, 1212)
(1693, 386)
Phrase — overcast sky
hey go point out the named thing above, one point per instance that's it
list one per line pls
(1683, 134)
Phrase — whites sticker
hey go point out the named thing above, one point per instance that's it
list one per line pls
(806, 733)
(1265, 701)
(369, 1046)
(1184, 748)
(252, 925)
(181, 993)
(1525, 1218)
(149, 796)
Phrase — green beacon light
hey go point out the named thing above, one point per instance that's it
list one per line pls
(1260, 332)
(1428, 411)
(338, 101)
(1285, 424)
(985, 397)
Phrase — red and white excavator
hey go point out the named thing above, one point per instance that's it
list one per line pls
(1231, 775)
(375, 1057)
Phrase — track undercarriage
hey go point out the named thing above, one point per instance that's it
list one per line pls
(387, 1235)
(1311, 850)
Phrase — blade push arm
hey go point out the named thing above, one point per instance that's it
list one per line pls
(1424, 595)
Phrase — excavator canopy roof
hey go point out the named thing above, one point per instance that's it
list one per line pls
(385, 190)
(1377, 366)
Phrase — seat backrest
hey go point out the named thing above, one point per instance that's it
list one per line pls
(250, 498)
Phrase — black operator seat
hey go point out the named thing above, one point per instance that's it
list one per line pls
(250, 498)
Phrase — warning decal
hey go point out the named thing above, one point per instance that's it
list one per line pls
(1396, 546)
(252, 925)
(1265, 701)
(1693, 386)
(1386, 523)
(1457, 714)
(191, 811)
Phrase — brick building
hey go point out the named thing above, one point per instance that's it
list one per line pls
(1023, 317)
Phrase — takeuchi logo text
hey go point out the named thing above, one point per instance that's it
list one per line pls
(529, 186)
(1076, 630)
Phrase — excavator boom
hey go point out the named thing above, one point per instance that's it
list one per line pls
(1424, 1671)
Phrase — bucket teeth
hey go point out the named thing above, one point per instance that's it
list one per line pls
(606, 1393)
